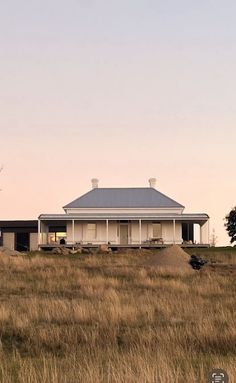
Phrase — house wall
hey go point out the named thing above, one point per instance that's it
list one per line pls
(80, 232)
(168, 232)
(113, 232)
(147, 232)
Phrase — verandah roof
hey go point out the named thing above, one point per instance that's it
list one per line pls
(128, 216)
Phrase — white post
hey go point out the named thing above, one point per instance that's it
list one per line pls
(140, 231)
(39, 233)
(174, 231)
(204, 233)
(200, 234)
(107, 233)
(73, 231)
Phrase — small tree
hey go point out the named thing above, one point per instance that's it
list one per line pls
(213, 239)
(231, 224)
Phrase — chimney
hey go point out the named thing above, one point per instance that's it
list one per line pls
(94, 183)
(152, 182)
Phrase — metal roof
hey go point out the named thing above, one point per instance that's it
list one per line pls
(123, 198)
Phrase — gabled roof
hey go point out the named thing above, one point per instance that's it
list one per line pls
(123, 198)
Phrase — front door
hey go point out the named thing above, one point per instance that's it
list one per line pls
(124, 234)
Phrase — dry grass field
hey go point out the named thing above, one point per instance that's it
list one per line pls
(113, 319)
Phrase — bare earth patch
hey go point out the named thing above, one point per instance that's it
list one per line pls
(173, 256)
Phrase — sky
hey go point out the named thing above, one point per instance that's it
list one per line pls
(121, 91)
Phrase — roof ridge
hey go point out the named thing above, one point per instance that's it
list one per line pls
(131, 187)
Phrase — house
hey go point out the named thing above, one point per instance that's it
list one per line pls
(123, 217)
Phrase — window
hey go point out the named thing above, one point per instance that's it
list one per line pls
(91, 231)
(60, 235)
(156, 230)
(55, 237)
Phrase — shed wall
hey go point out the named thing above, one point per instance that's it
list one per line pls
(33, 241)
(9, 240)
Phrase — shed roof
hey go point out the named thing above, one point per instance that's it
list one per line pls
(123, 198)
(19, 224)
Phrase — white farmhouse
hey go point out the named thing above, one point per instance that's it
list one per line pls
(123, 217)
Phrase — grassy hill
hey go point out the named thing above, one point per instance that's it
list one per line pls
(113, 318)
(225, 255)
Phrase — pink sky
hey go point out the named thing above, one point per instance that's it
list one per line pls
(121, 92)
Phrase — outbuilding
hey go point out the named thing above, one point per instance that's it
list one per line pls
(19, 235)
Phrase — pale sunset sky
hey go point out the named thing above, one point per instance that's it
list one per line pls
(122, 91)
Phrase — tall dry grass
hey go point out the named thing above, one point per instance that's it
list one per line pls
(112, 319)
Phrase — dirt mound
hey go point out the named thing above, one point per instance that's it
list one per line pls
(6, 251)
(173, 256)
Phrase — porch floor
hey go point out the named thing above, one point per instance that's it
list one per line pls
(49, 247)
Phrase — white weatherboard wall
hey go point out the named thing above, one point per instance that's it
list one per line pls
(146, 232)
(168, 232)
(80, 232)
(166, 229)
